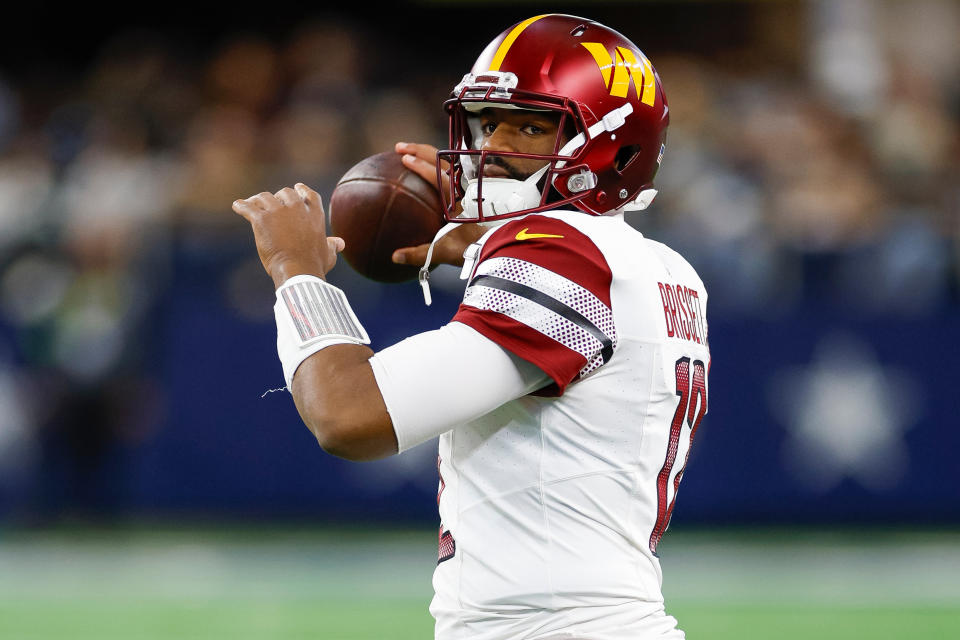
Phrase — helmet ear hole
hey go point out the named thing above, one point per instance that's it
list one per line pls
(625, 156)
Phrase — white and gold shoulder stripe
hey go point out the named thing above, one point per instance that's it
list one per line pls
(547, 302)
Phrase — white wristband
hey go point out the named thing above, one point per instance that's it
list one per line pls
(312, 314)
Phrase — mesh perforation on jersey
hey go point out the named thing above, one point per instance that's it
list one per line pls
(536, 316)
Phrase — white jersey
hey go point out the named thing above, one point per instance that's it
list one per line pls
(553, 504)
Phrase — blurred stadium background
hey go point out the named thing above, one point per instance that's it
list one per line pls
(151, 487)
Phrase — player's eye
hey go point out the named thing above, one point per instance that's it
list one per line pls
(488, 127)
(533, 130)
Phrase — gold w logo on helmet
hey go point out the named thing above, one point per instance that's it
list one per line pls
(625, 67)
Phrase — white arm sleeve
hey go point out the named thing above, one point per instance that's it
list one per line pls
(433, 381)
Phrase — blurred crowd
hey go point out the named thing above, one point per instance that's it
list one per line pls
(817, 162)
(822, 168)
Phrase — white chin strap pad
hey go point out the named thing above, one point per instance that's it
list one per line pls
(641, 202)
(502, 195)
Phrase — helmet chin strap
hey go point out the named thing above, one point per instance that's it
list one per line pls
(641, 202)
(502, 195)
(424, 275)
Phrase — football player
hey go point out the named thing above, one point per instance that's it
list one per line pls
(568, 386)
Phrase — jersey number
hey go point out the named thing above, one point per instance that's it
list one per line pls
(692, 389)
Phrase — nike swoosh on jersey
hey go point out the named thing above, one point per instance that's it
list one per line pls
(523, 235)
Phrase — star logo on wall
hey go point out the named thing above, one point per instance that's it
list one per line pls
(846, 416)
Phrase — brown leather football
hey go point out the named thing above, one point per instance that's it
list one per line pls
(379, 206)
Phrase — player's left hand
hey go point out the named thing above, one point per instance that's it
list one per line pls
(449, 250)
(422, 160)
(289, 227)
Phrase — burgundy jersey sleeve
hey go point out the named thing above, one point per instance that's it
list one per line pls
(541, 289)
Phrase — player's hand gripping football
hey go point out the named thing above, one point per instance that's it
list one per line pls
(421, 159)
(289, 227)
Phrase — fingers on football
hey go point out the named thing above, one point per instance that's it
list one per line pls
(416, 256)
(424, 169)
(411, 255)
(423, 151)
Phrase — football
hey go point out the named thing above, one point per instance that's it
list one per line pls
(379, 206)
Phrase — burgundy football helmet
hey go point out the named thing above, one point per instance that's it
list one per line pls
(613, 122)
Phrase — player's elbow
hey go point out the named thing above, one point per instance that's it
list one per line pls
(341, 404)
(358, 442)
(335, 439)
